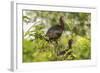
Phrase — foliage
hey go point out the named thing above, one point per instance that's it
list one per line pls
(77, 27)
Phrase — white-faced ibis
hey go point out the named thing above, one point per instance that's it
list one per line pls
(56, 31)
(67, 52)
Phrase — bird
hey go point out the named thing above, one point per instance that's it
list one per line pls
(55, 32)
(67, 52)
(70, 42)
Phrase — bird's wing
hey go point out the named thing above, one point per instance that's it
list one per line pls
(54, 33)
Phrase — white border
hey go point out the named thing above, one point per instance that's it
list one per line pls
(17, 37)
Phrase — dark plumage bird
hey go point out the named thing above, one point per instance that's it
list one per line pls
(70, 41)
(55, 32)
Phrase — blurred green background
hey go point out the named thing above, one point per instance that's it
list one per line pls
(37, 49)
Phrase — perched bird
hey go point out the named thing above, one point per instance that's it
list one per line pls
(70, 41)
(55, 31)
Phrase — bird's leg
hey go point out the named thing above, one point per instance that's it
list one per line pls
(56, 47)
